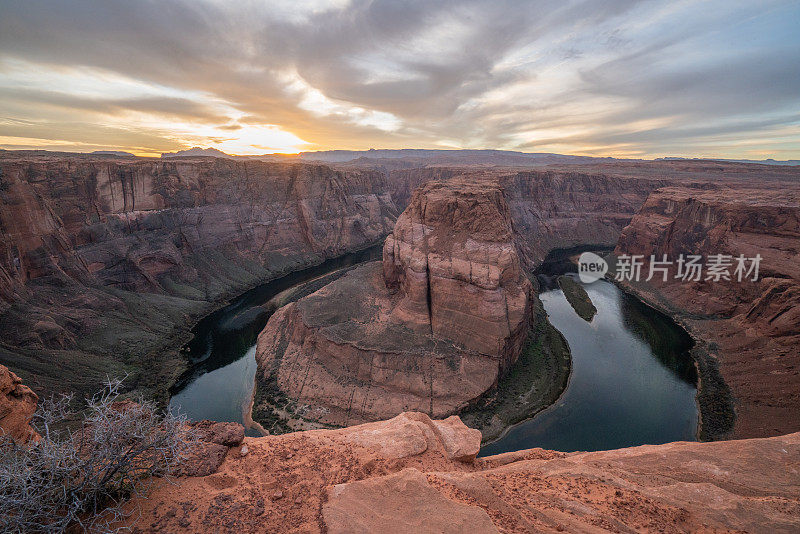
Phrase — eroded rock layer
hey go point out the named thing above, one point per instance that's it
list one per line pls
(750, 328)
(414, 474)
(17, 405)
(103, 262)
(430, 329)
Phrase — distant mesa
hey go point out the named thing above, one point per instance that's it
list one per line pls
(113, 153)
(197, 151)
(768, 161)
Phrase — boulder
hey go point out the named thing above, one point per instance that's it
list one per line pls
(17, 406)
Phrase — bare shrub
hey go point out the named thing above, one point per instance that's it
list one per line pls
(80, 479)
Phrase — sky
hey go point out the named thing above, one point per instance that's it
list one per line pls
(620, 78)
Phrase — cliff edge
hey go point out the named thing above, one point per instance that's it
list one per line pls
(415, 474)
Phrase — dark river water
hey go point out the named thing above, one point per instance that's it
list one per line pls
(633, 381)
(219, 383)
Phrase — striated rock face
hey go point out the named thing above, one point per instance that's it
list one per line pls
(396, 476)
(430, 329)
(552, 208)
(453, 259)
(101, 259)
(563, 206)
(555, 209)
(751, 329)
(17, 405)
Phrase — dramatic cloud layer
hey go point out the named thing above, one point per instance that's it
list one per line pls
(615, 77)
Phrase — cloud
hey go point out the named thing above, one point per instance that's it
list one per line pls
(614, 77)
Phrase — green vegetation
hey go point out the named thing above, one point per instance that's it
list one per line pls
(577, 298)
(534, 382)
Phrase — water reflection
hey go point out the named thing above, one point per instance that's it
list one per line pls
(219, 382)
(633, 381)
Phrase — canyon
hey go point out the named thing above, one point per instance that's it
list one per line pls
(106, 262)
(543, 211)
(749, 328)
(397, 335)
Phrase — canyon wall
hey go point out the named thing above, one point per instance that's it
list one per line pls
(430, 329)
(562, 206)
(556, 209)
(551, 208)
(749, 329)
(403, 182)
(104, 263)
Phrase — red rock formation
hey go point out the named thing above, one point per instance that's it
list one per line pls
(453, 259)
(17, 405)
(403, 182)
(431, 330)
(751, 327)
(396, 476)
(553, 209)
(561, 206)
(214, 440)
(107, 257)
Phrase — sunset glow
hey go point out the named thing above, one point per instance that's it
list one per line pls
(621, 78)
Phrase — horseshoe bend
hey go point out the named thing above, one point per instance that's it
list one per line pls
(453, 314)
(371, 266)
(430, 328)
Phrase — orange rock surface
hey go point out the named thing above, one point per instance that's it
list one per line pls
(17, 405)
(397, 476)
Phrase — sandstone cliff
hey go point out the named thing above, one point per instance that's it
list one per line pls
(562, 206)
(103, 262)
(414, 474)
(751, 328)
(17, 405)
(551, 208)
(555, 209)
(430, 329)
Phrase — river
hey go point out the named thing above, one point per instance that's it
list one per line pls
(633, 381)
(222, 353)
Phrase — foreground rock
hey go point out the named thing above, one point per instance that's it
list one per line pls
(430, 329)
(104, 261)
(748, 331)
(213, 441)
(396, 476)
(17, 406)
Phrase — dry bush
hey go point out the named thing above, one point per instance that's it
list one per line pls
(79, 479)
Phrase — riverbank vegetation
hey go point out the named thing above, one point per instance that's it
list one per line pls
(534, 381)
